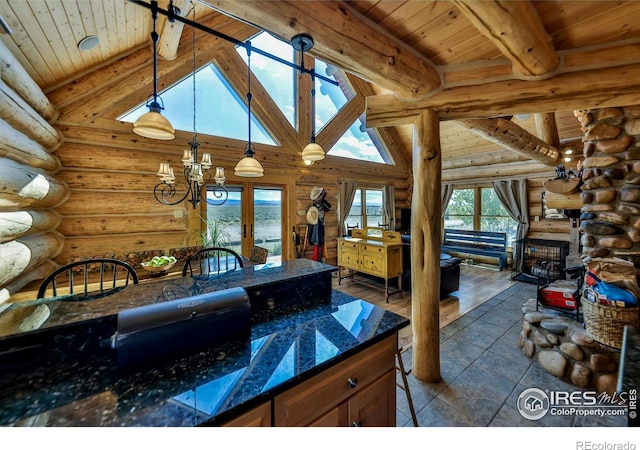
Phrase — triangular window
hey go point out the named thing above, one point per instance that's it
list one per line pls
(219, 109)
(356, 142)
(329, 97)
(276, 78)
(360, 143)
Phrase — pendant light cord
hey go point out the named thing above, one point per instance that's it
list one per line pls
(313, 105)
(193, 36)
(154, 38)
(249, 96)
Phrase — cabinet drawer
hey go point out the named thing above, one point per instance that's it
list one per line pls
(375, 249)
(348, 258)
(374, 264)
(345, 244)
(308, 401)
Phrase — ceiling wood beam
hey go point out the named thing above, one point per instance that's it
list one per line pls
(513, 137)
(547, 128)
(171, 32)
(345, 39)
(596, 88)
(516, 29)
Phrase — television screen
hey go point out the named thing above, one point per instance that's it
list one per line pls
(405, 219)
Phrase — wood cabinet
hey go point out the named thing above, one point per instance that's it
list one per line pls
(374, 252)
(359, 391)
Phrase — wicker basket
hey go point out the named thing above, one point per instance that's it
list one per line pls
(605, 324)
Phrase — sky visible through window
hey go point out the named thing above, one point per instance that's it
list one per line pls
(220, 111)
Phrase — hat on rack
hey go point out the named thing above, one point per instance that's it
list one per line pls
(317, 193)
(312, 215)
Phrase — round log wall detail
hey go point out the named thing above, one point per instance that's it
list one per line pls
(610, 219)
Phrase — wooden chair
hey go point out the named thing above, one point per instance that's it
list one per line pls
(107, 276)
(212, 260)
(351, 228)
(258, 255)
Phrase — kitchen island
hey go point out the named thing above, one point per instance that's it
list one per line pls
(316, 356)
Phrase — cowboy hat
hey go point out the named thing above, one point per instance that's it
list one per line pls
(312, 215)
(316, 193)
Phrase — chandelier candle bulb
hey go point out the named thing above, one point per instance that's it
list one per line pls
(206, 161)
(163, 170)
(187, 158)
(219, 176)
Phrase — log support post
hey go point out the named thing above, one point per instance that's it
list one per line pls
(426, 236)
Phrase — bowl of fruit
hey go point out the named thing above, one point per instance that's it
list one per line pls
(159, 265)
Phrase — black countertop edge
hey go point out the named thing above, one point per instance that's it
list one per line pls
(221, 418)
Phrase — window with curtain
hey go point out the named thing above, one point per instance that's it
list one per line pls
(479, 209)
(367, 209)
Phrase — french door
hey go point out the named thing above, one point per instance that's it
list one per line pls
(252, 215)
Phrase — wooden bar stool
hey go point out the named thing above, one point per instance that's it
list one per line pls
(405, 387)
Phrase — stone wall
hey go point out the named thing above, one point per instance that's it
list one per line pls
(563, 348)
(610, 219)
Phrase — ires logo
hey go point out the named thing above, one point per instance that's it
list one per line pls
(534, 404)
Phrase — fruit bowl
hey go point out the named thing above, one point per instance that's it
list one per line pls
(159, 264)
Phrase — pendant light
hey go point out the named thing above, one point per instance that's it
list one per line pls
(153, 124)
(312, 152)
(248, 166)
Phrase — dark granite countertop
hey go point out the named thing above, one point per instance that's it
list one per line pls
(60, 311)
(206, 388)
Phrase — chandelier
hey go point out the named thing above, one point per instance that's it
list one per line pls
(196, 174)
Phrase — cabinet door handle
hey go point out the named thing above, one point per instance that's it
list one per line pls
(356, 424)
(353, 382)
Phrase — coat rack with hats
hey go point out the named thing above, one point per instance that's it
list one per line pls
(315, 224)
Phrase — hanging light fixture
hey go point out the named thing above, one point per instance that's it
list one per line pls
(153, 124)
(249, 166)
(196, 174)
(312, 152)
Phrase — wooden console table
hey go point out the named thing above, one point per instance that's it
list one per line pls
(372, 251)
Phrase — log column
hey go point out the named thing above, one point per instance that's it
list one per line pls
(426, 236)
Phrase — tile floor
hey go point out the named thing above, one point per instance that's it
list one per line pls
(483, 373)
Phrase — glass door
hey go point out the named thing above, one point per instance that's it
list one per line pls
(224, 222)
(267, 220)
(252, 215)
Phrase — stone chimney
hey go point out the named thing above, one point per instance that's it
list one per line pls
(610, 219)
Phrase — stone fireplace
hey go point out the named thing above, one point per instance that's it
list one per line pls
(609, 227)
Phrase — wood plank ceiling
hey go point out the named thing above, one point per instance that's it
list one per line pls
(453, 44)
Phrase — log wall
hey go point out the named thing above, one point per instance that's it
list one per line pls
(29, 188)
